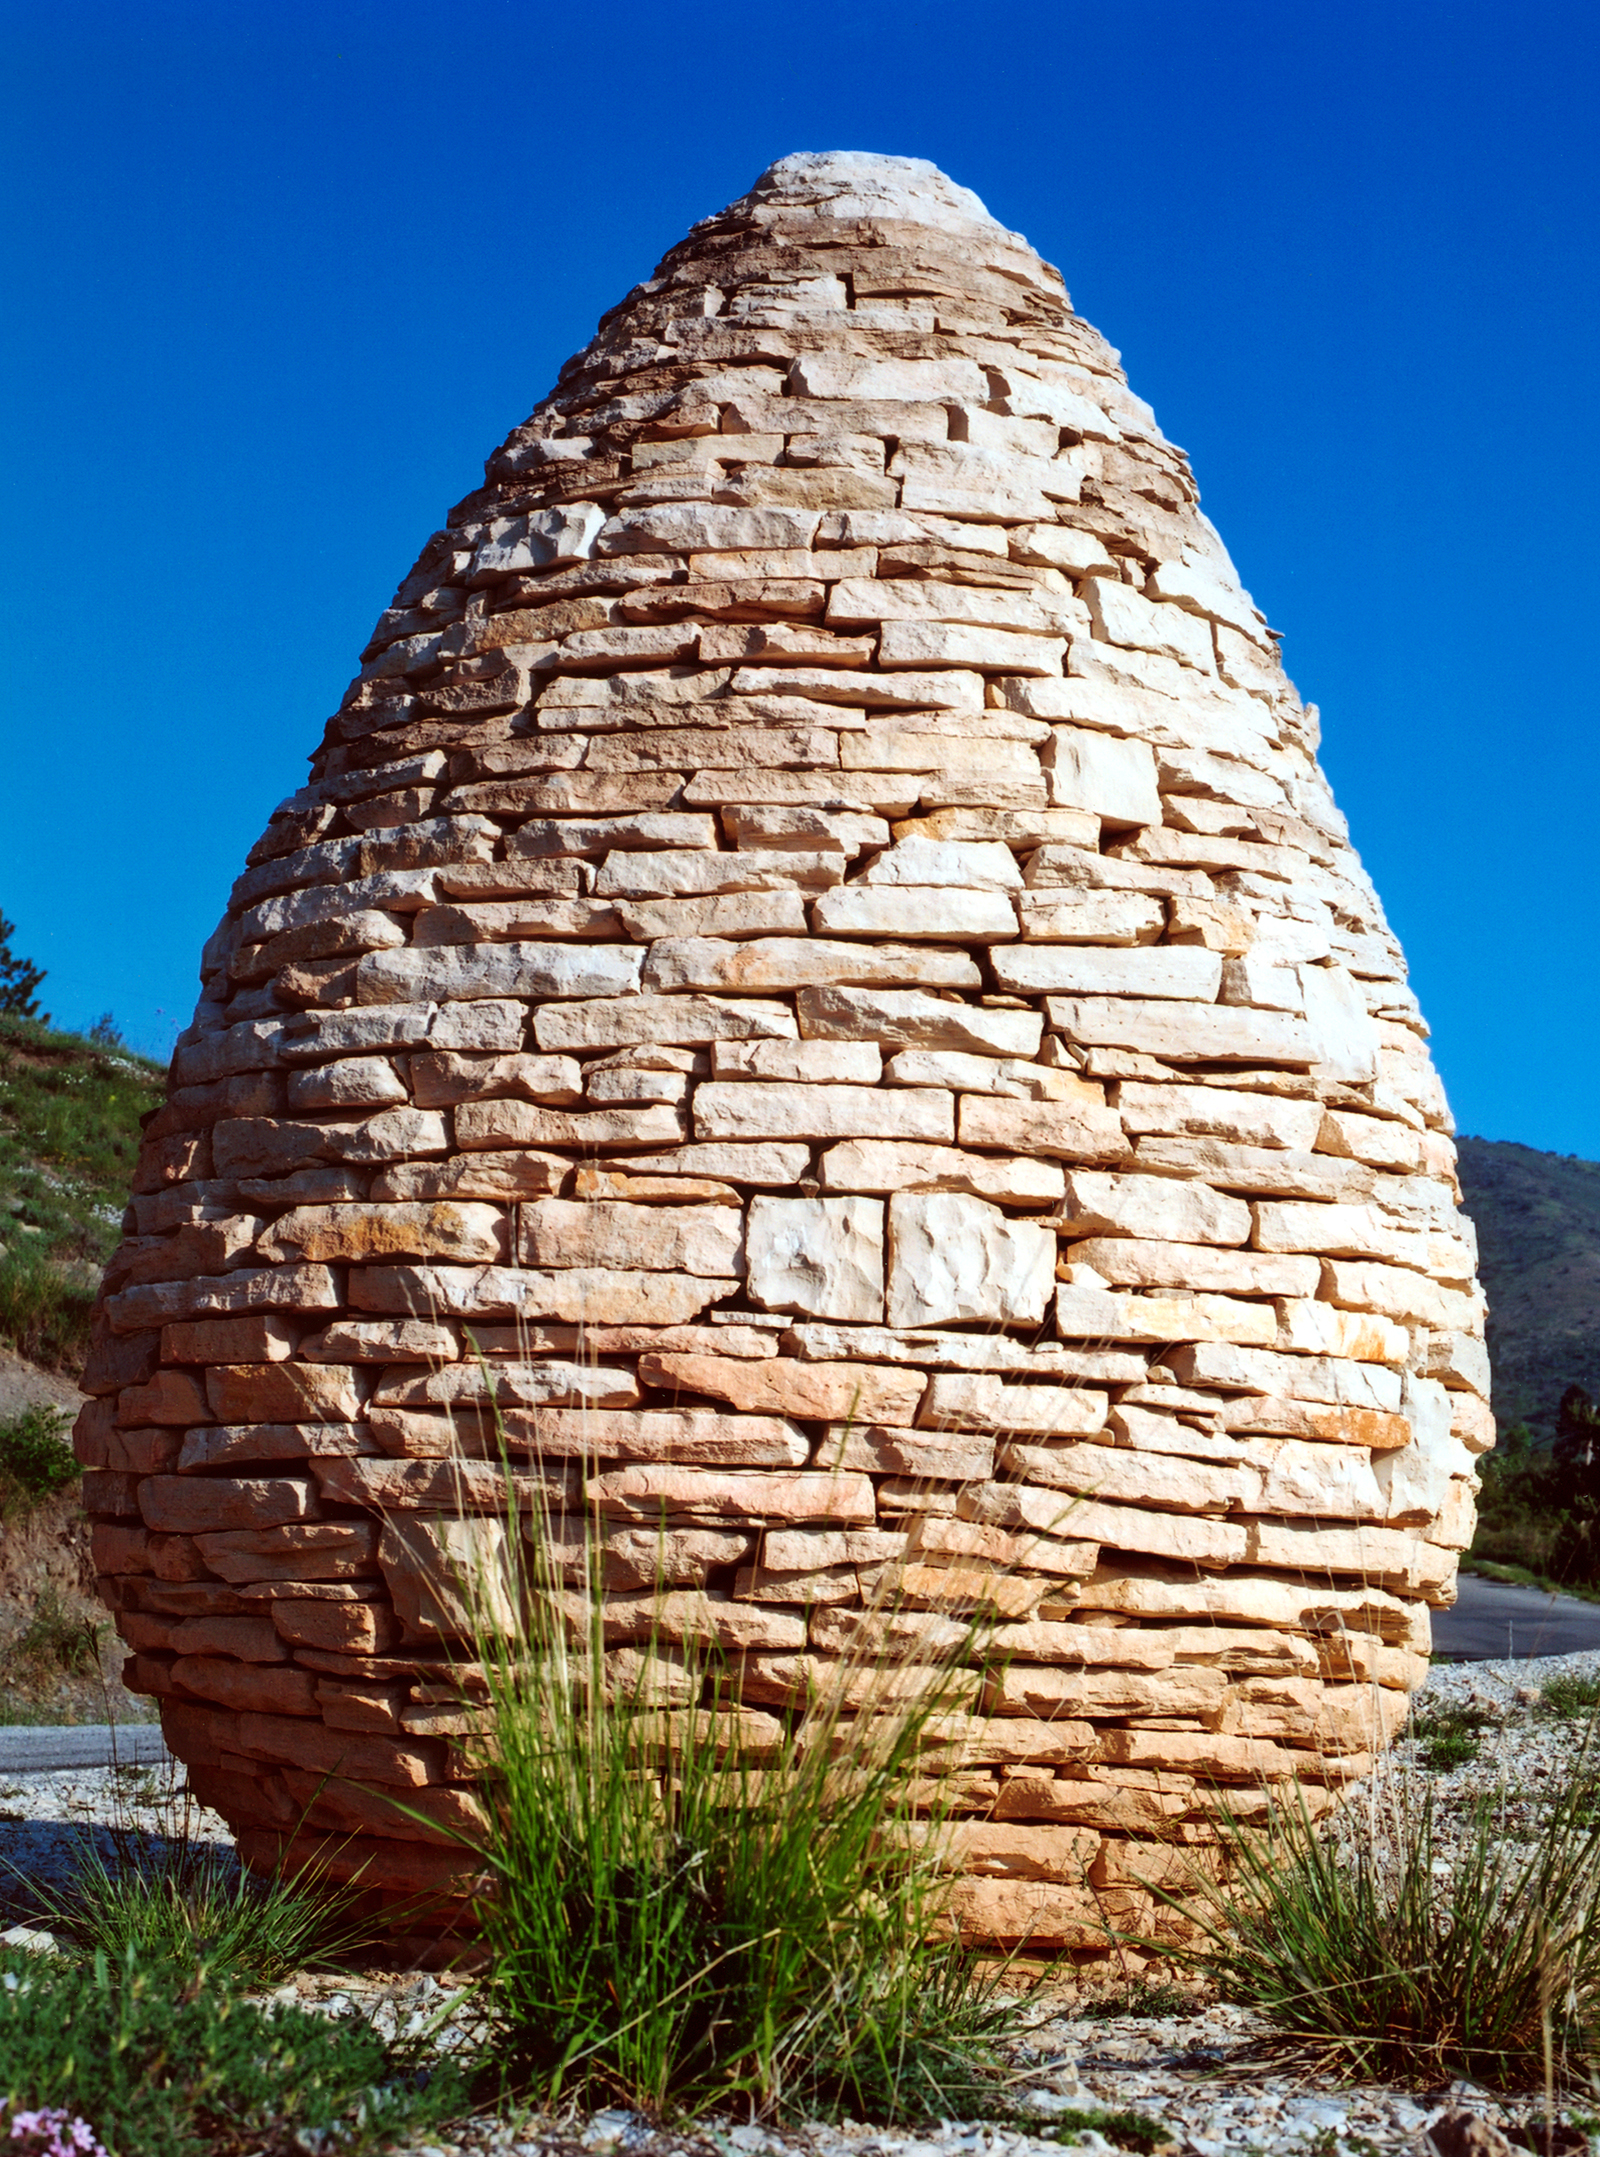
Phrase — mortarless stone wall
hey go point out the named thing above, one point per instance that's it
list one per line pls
(818, 937)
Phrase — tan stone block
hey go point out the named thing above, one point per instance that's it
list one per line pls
(283, 1393)
(1069, 1642)
(228, 1340)
(1184, 1033)
(1317, 1329)
(1125, 1477)
(687, 1435)
(449, 1578)
(795, 963)
(300, 1551)
(698, 1614)
(954, 1540)
(627, 1022)
(1372, 1428)
(1029, 1689)
(855, 1063)
(1154, 1209)
(954, 1257)
(1336, 1381)
(769, 1164)
(771, 913)
(192, 1505)
(1087, 1312)
(1128, 1262)
(932, 914)
(909, 1019)
(664, 1557)
(359, 1233)
(984, 1402)
(1245, 1119)
(464, 1486)
(1258, 1171)
(1119, 1527)
(864, 1393)
(343, 1628)
(684, 876)
(1091, 917)
(231, 1445)
(441, 1078)
(522, 1174)
(1098, 1803)
(892, 1165)
(1202, 1753)
(879, 1450)
(1003, 1850)
(660, 1493)
(486, 1124)
(1064, 1130)
(169, 1397)
(555, 1384)
(702, 1240)
(245, 1688)
(727, 1110)
(383, 1340)
(818, 1255)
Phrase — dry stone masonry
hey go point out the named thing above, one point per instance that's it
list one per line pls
(817, 951)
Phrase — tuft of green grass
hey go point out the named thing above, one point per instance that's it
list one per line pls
(1124, 2130)
(1401, 1954)
(166, 2065)
(674, 1924)
(1449, 1736)
(55, 1642)
(194, 1909)
(1566, 1696)
(35, 1459)
(1141, 1996)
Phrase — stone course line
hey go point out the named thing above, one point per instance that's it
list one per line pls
(818, 940)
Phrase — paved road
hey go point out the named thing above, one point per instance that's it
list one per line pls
(35, 1748)
(1494, 1621)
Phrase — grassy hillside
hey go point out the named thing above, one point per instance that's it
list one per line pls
(1538, 1220)
(69, 1134)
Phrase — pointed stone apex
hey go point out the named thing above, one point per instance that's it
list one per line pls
(866, 183)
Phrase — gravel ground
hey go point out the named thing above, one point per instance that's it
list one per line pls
(1208, 2076)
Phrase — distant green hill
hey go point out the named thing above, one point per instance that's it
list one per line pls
(1538, 1221)
(69, 1137)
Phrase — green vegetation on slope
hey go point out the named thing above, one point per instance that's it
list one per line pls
(69, 1135)
(1538, 1221)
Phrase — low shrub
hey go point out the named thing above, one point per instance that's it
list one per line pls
(159, 2064)
(1403, 1954)
(35, 1459)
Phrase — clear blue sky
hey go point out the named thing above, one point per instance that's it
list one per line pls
(278, 276)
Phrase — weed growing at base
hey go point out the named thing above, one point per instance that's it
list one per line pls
(1394, 1953)
(1566, 1696)
(163, 2064)
(196, 1909)
(1449, 1735)
(676, 1924)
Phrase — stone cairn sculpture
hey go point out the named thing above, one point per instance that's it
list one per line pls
(818, 948)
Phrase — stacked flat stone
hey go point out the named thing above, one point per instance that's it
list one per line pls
(817, 952)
